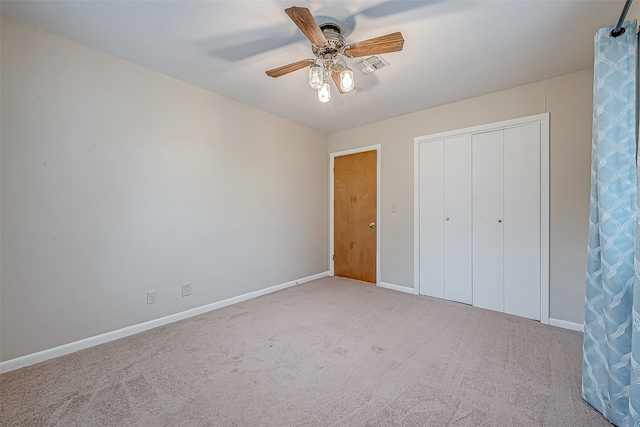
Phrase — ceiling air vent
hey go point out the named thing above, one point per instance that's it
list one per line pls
(371, 64)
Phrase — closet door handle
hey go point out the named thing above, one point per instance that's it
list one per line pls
(499, 220)
(447, 218)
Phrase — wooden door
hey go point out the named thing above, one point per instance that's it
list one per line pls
(488, 244)
(355, 206)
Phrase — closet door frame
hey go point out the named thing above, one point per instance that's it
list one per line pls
(543, 121)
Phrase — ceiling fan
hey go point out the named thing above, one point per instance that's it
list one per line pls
(328, 46)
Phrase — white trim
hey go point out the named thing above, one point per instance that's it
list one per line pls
(566, 324)
(62, 350)
(543, 120)
(545, 214)
(378, 213)
(332, 156)
(505, 124)
(287, 285)
(416, 216)
(398, 288)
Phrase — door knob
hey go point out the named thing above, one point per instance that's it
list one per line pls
(447, 218)
(373, 224)
(499, 220)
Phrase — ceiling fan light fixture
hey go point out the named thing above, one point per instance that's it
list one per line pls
(329, 46)
(315, 76)
(324, 93)
(347, 82)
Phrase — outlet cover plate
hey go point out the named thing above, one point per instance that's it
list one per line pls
(152, 296)
(186, 289)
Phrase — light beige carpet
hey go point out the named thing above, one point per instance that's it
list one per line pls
(333, 352)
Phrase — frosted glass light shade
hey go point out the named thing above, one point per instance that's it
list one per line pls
(347, 82)
(315, 76)
(324, 93)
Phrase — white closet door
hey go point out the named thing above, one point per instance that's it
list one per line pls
(457, 226)
(522, 221)
(431, 218)
(488, 251)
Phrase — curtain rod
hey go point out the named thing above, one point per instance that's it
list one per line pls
(618, 31)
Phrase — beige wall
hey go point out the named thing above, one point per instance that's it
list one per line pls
(117, 180)
(634, 11)
(570, 107)
(568, 100)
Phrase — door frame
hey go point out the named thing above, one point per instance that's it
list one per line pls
(332, 156)
(543, 120)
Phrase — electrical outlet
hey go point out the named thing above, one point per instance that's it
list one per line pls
(186, 289)
(152, 296)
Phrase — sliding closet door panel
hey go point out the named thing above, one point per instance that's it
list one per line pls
(457, 224)
(487, 220)
(522, 221)
(431, 218)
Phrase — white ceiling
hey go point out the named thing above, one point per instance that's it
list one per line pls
(453, 50)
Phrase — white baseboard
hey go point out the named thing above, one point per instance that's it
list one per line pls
(301, 281)
(398, 288)
(41, 356)
(566, 324)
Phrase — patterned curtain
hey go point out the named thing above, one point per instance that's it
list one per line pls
(611, 357)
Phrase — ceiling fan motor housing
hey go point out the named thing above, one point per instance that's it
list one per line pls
(335, 42)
